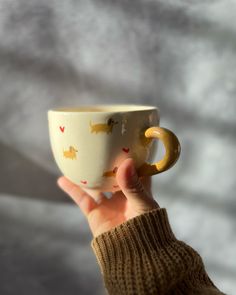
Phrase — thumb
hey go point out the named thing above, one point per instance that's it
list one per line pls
(140, 199)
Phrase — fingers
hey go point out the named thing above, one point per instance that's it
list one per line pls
(81, 198)
(141, 199)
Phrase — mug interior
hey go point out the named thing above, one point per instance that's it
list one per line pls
(105, 108)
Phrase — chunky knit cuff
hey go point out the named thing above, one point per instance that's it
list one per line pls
(145, 233)
(142, 256)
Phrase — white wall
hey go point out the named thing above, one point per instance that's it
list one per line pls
(178, 55)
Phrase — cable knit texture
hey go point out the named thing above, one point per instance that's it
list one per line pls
(142, 256)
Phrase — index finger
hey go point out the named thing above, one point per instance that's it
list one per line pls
(80, 197)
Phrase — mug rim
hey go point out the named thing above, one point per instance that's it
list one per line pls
(103, 109)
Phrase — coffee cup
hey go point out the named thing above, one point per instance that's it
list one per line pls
(90, 142)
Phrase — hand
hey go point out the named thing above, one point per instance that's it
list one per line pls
(134, 199)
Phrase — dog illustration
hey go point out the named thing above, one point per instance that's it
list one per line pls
(107, 127)
(111, 173)
(71, 153)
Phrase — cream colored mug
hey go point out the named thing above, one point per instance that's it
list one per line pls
(90, 142)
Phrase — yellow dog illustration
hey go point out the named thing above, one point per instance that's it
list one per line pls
(71, 153)
(111, 173)
(106, 128)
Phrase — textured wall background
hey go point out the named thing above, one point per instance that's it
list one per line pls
(178, 55)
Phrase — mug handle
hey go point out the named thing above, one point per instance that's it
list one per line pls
(172, 147)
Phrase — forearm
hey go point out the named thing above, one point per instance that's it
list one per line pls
(142, 256)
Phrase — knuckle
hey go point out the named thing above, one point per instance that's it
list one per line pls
(136, 187)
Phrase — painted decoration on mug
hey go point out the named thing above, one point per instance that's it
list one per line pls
(125, 149)
(83, 181)
(103, 127)
(111, 173)
(124, 126)
(62, 128)
(70, 153)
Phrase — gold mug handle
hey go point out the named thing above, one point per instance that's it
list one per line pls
(172, 147)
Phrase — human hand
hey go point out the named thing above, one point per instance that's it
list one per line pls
(135, 198)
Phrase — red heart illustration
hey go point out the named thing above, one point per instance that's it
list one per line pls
(83, 181)
(62, 128)
(126, 150)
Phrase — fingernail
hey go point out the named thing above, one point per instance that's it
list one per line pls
(62, 183)
(59, 181)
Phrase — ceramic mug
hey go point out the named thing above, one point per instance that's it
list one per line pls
(90, 142)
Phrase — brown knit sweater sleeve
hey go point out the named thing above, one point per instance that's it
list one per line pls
(142, 256)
